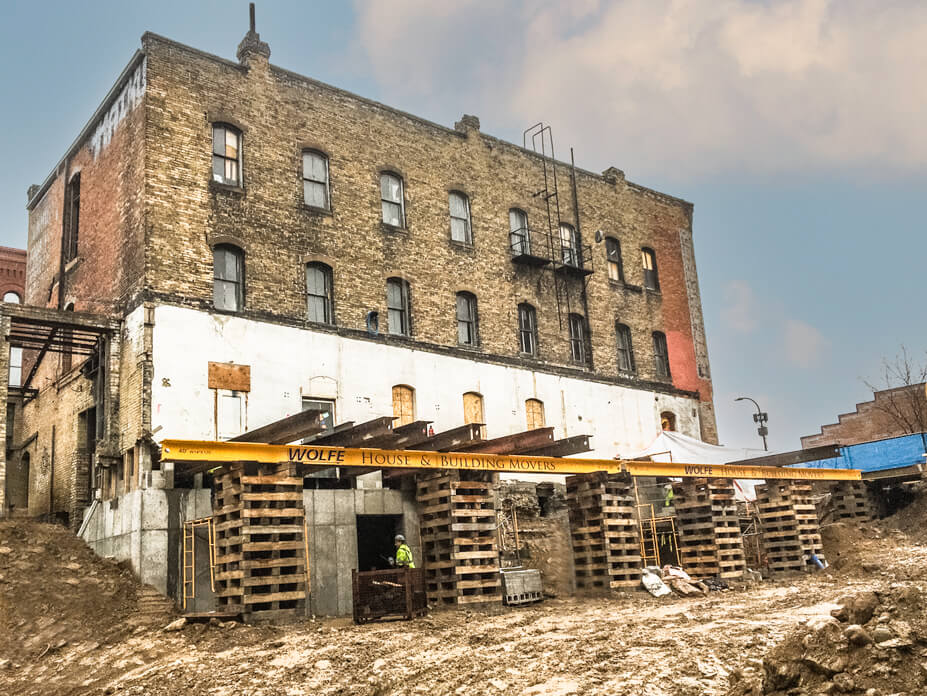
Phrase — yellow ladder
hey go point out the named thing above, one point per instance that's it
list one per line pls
(189, 555)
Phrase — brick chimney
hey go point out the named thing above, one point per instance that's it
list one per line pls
(252, 46)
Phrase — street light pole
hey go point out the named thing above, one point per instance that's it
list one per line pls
(760, 418)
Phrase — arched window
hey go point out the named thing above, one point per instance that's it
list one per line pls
(613, 255)
(660, 355)
(398, 305)
(668, 420)
(625, 348)
(649, 260)
(71, 218)
(467, 320)
(473, 410)
(392, 199)
(226, 154)
(519, 239)
(403, 405)
(534, 413)
(12, 297)
(228, 284)
(319, 293)
(461, 229)
(569, 247)
(527, 329)
(577, 339)
(315, 179)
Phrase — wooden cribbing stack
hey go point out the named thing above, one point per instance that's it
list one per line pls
(260, 542)
(781, 530)
(852, 501)
(605, 535)
(710, 541)
(457, 516)
(809, 529)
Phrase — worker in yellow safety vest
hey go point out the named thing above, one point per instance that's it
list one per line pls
(403, 553)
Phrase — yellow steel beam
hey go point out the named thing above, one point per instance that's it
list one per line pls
(222, 452)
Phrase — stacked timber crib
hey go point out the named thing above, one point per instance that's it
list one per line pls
(605, 535)
(261, 545)
(851, 501)
(457, 515)
(791, 535)
(710, 541)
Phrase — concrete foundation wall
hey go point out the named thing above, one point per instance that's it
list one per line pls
(332, 519)
(144, 528)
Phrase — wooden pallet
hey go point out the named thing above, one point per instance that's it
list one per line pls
(604, 532)
(852, 502)
(710, 542)
(260, 545)
(457, 518)
(779, 503)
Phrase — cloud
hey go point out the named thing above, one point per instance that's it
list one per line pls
(804, 344)
(678, 87)
(740, 308)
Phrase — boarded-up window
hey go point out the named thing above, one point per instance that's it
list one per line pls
(403, 405)
(534, 412)
(473, 410)
(229, 414)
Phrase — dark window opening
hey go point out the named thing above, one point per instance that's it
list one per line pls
(228, 277)
(528, 329)
(660, 355)
(668, 421)
(399, 316)
(72, 218)
(577, 339)
(467, 323)
(625, 348)
(613, 254)
(649, 260)
(319, 293)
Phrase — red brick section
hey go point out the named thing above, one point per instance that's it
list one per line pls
(677, 318)
(872, 420)
(12, 271)
(107, 274)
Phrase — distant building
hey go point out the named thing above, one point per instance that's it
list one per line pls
(891, 413)
(12, 274)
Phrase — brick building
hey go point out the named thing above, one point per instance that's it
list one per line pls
(891, 413)
(12, 274)
(228, 242)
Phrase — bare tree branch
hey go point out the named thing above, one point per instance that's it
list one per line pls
(901, 395)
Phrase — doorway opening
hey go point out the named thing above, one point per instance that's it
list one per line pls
(375, 540)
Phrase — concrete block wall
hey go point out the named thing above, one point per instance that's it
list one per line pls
(331, 516)
(144, 527)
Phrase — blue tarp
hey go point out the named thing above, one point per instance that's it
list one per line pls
(876, 456)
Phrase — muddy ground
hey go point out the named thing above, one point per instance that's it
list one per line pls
(68, 626)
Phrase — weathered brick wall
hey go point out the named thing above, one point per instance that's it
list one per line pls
(874, 420)
(281, 113)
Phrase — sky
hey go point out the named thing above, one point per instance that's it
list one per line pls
(796, 128)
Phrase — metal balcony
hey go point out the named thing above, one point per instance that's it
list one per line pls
(575, 260)
(529, 247)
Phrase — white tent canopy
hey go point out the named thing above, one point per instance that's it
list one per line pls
(671, 446)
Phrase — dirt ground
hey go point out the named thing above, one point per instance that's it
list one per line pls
(69, 625)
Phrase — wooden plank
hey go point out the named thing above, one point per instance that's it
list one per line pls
(229, 376)
(274, 597)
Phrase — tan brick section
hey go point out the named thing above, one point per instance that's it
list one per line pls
(281, 113)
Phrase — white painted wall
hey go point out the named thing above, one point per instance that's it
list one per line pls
(288, 363)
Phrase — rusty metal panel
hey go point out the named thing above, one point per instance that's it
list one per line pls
(229, 376)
